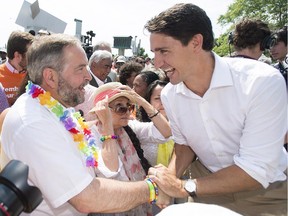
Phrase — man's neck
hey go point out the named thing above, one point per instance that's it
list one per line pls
(200, 81)
(15, 66)
(249, 53)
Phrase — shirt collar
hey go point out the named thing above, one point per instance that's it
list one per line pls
(221, 76)
(99, 82)
(11, 68)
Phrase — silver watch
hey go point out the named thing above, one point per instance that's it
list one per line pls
(190, 187)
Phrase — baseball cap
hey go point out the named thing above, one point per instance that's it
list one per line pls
(2, 49)
(121, 59)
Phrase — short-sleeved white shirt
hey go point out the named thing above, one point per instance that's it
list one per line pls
(241, 119)
(35, 136)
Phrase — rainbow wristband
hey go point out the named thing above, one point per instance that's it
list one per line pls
(107, 137)
(153, 190)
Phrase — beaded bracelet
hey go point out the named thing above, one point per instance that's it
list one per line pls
(153, 190)
(106, 137)
(155, 114)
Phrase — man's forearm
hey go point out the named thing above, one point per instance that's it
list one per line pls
(182, 157)
(110, 196)
(228, 180)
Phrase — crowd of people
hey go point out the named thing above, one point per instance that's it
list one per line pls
(112, 135)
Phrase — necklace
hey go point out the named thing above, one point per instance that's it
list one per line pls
(72, 121)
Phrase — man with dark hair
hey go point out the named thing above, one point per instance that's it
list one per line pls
(13, 72)
(279, 52)
(228, 118)
(250, 38)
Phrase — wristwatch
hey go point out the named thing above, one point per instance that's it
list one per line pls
(190, 187)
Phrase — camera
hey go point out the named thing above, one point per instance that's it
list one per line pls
(87, 42)
(16, 196)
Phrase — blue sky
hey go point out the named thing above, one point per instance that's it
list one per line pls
(107, 18)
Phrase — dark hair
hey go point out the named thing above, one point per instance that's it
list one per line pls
(139, 60)
(137, 145)
(250, 32)
(282, 35)
(148, 76)
(182, 22)
(17, 42)
(143, 116)
(127, 69)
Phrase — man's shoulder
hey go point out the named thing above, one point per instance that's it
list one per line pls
(250, 67)
(3, 70)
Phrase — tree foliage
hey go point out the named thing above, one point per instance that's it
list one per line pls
(273, 12)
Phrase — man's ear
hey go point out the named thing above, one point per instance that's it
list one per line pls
(196, 42)
(93, 64)
(50, 77)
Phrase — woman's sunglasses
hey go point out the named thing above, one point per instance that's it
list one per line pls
(121, 110)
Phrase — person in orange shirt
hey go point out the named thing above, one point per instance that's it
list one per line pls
(13, 71)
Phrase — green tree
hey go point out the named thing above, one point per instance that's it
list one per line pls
(273, 12)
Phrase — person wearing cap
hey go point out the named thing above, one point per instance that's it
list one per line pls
(120, 60)
(3, 55)
(124, 160)
(42, 32)
(13, 72)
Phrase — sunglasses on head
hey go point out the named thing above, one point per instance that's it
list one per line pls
(121, 110)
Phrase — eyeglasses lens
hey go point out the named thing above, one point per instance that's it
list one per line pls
(123, 109)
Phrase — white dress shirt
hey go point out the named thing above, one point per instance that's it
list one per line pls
(241, 119)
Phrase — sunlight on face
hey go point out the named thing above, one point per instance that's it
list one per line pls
(140, 86)
(74, 77)
(120, 120)
(172, 57)
(155, 99)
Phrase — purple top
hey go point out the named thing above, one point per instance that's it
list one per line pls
(3, 99)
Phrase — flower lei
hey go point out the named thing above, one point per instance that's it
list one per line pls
(83, 136)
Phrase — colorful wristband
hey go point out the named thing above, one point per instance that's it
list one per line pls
(153, 190)
(106, 137)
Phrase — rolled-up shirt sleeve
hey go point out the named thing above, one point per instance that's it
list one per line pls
(263, 135)
(104, 170)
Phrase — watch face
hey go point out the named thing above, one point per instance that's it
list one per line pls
(190, 186)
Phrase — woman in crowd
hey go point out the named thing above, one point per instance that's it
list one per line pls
(140, 85)
(121, 156)
(156, 153)
(128, 72)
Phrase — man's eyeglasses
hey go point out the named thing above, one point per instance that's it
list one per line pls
(121, 110)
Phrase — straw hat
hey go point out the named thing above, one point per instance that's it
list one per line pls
(111, 89)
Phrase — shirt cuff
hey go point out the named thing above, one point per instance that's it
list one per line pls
(106, 171)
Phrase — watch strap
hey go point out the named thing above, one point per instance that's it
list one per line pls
(193, 193)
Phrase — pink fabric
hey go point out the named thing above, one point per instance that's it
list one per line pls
(129, 157)
(109, 93)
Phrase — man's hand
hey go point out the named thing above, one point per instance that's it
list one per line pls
(167, 181)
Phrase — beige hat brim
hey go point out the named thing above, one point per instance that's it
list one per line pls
(116, 93)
